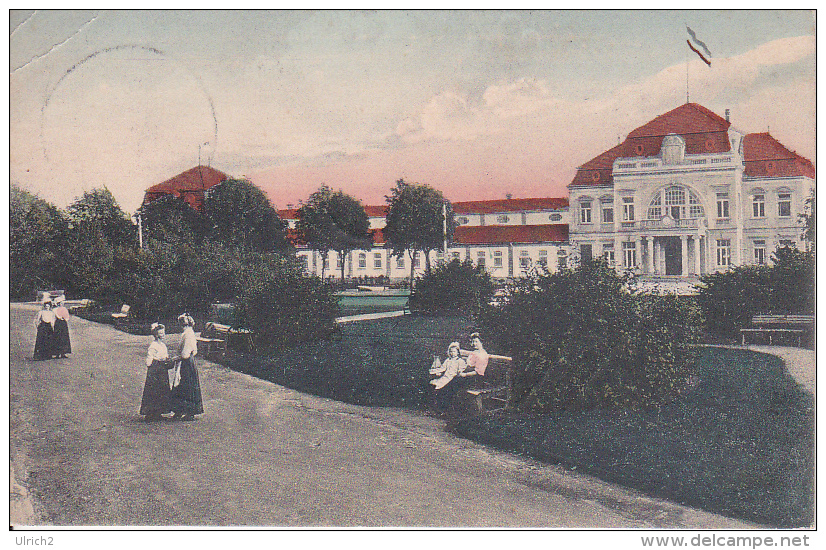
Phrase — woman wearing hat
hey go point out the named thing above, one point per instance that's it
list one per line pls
(185, 400)
(44, 323)
(155, 400)
(62, 343)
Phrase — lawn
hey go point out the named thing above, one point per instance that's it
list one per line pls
(740, 443)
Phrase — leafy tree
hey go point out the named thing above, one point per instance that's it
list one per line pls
(334, 221)
(809, 221)
(37, 238)
(581, 339)
(242, 215)
(172, 219)
(415, 221)
(456, 287)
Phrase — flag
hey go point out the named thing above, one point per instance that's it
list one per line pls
(698, 43)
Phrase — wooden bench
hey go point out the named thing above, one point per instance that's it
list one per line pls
(779, 325)
(123, 314)
(493, 390)
(213, 340)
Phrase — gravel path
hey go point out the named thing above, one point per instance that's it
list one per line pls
(265, 455)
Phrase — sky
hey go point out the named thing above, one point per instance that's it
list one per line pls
(478, 104)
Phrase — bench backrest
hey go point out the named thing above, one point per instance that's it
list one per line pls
(782, 320)
(496, 373)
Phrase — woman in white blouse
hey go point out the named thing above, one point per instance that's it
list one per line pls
(452, 371)
(44, 346)
(155, 400)
(186, 400)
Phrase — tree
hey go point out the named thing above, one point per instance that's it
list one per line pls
(242, 215)
(334, 221)
(809, 222)
(37, 239)
(416, 221)
(454, 287)
(172, 219)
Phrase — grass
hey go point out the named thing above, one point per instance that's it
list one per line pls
(740, 443)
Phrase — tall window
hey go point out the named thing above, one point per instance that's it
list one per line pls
(723, 252)
(784, 205)
(561, 259)
(676, 201)
(524, 259)
(400, 262)
(607, 210)
(758, 205)
(362, 260)
(722, 206)
(628, 209)
(497, 258)
(339, 260)
(480, 258)
(760, 252)
(585, 212)
(305, 262)
(377, 260)
(608, 253)
(416, 260)
(543, 258)
(327, 262)
(629, 254)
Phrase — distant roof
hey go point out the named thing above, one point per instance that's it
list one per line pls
(767, 157)
(509, 205)
(189, 185)
(702, 130)
(502, 234)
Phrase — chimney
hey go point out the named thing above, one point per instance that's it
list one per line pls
(728, 113)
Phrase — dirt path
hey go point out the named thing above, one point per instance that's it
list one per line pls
(265, 455)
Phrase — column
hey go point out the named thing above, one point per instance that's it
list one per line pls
(652, 267)
(638, 250)
(684, 251)
(696, 240)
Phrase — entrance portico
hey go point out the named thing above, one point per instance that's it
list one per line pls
(673, 254)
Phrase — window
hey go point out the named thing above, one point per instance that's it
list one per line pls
(608, 212)
(362, 260)
(628, 209)
(377, 260)
(555, 217)
(760, 252)
(784, 205)
(543, 258)
(502, 219)
(497, 258)
(655, 211)
(455, 255)
(327, 262)
(562, 259)
(461, 220)
(629, 254)
(480, 258)
(416, 260)
(305, 262)
(758, 205)
(400, 262)
(585, 212)
(787, 243)
(722, 206)
(339, 260)
(677, 202)
(723, 252)
(586, 252)
(524, 259)
(608, 253)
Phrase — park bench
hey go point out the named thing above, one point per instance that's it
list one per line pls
(779, 326)
(74, 309)
(122, 314)
(493, 390)
(51, 294)
(215, 336)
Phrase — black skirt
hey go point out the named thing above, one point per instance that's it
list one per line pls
(44, 345)
(155, 398)
(62, 343)
(186, 397)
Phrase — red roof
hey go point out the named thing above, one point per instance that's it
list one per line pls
(376, 211)
(767, 157)
(509, 205)
(288, 214)
(189, 185)
(501, 234)
(702, 130)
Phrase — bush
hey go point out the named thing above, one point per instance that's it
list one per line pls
(285, 307)
(581, 339)
(730, 299)
(455, 287)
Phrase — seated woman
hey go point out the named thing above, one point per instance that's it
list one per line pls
(477, 359)
(453, 371)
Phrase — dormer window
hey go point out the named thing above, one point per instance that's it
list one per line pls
(673, 149)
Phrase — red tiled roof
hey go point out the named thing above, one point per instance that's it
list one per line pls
(767, 157)
(509, 205)
(189, 185)
(288, 214)
(702, 130)
(376, 211)
(500, 234)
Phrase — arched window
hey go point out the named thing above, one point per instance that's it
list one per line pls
(676, 201)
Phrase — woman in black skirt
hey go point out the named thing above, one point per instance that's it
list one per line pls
(186, 400)
(44, 322)
(62, 343)
(155, 400)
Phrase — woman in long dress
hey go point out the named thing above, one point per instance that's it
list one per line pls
(44, 324)
(155, 400)
(62, 342)
(186, 399)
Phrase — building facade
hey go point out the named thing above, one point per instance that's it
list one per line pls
(688, 194)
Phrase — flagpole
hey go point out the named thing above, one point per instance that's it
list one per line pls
(687, 100)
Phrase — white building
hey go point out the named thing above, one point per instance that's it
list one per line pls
(688, 194)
